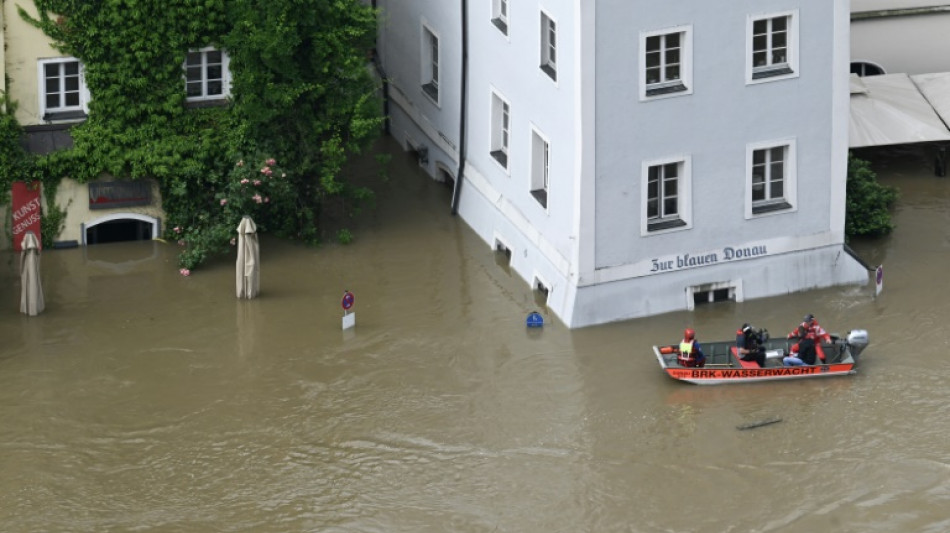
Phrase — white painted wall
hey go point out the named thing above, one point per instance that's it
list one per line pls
(400, 35)
(903, 44)
(588, 245)
(495, 201)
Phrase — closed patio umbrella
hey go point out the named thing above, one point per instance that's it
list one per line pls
(248, 260)
(31, 291)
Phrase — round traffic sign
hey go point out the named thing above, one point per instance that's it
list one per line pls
(348, 300)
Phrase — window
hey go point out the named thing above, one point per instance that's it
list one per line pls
(548, 46)
(499, 15)
(430, 64)
(206, 75)
(666, 57)
(499, 130)
(540, 168)
(773, 46)
(666, 188)
(771, 177)
(866, 68)
(63, 93)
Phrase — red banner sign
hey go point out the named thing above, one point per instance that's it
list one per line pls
(26, 211)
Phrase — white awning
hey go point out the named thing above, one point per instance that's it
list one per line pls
(936, 89)
(890, 109)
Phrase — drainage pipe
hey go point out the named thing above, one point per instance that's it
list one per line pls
(457, 190)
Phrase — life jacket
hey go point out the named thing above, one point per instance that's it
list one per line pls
(686, 349)
(815, 332)
(685, 356)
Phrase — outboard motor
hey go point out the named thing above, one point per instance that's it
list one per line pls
(857, 340)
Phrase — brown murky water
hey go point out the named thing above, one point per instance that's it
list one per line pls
(144, 401)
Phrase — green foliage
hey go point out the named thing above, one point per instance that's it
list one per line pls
(302, 88)
(344, 236)
(868, 202)
(301, 91)
(132, 53)
(383, 160)
(260, 189)
(54, 217)
(15, 163)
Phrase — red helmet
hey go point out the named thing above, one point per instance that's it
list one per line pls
(689, 334)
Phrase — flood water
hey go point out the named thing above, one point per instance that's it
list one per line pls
(141, 400)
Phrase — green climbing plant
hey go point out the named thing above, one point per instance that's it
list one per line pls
(300, 93)
(868, 201)
(17, 164)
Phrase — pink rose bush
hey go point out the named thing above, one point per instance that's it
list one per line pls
(261, 191)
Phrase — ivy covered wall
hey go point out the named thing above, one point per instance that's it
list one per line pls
(301, 97)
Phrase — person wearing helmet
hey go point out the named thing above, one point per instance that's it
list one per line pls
(810, 329)
(690, 353)
(749, 345)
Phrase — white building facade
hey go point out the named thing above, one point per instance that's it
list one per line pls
(632, 157)
(900, 36)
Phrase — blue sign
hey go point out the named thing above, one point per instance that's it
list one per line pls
(534, 320)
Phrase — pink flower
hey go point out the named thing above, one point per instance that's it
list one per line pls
(181, 242)
(257, 198)
(233, 241)
(177, 229)
(264, 170)
(185, 272)
(266, 200)
(224, 201)
(271, 162)
(257, 183)
(245, 181)
(269, 172)
(240, 163)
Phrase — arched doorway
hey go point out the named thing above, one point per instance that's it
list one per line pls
(120, 227)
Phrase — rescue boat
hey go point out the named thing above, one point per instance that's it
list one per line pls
(837, 358)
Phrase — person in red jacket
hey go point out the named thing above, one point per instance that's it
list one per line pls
(690, 354)
(810, 329)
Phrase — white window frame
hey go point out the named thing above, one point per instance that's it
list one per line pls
(540, 284)
(540, 167)
(225, 75)
(431, 47)
(683, 219)
(779, 205)
(668, 88)
(548, 45)
(499, 15)
(500, 121)
(67, 112)
(773, 71)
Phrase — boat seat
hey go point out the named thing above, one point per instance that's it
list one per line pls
(743, 363)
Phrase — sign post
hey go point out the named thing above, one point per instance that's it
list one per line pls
(878, 280)
(25, 200)
(349, 317)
